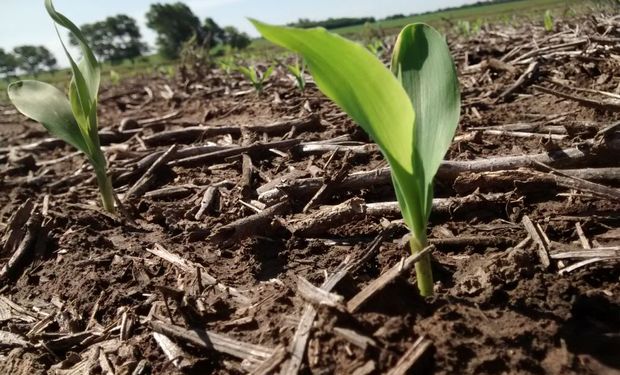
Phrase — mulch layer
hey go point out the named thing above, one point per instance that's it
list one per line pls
(260, 233)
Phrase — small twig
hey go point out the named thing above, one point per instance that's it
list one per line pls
(355, 338)
(251, 225)
(193, 268)
(142, 184)
(542, 250)
(173, 352)
(300, 340)
(234, 151)
(523, 79)
(507, 133)
(599, 252)
(23, 252)
(582, 237)
(246, 172)
(410, 357)
(317, 296)
(386, 278)
(214, 341)
(597, 104)
(580, 264)
(207, 201)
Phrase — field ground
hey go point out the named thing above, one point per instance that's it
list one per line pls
(238, 207)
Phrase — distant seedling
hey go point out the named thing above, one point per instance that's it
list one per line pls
(376, 47)
(548, 20)
(463, 27)
(411, 112)
(256, 78)
(115, 78)
(297, 71)
(227, 64)
(73, 120)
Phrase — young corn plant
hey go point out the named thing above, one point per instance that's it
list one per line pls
(376, 47)
(255, 77)
(297, 71)
(463, 27)
(227, 64)
(411, 112)
(115, 78)
(548, 21)
(73, 120)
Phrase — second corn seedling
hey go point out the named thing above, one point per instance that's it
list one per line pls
(257, 78)
(73, 120)
(411, 112)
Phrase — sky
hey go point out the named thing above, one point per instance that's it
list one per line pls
(26, 22)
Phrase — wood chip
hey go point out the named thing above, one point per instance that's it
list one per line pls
(214, 341)
(414, 353)
(11, 340)
(317, 296)
(386, 278)
(173, 352)
(541, 247)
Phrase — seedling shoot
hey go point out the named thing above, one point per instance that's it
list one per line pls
(411, 112)
(74, 120)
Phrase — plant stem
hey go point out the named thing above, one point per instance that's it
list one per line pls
(424, 274)
(106, 190)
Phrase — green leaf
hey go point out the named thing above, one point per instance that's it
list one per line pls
(84, 86)
(366, 90)
(423, 64)
(548, 20)
(88, 67)
(294, 70)
(267, 74)
(249, 73)
(46, 104)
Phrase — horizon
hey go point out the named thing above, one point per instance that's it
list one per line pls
(40, 29)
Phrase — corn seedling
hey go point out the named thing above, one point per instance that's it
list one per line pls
(170, 71)
(411, 112)
(297, 71)
(375, 47)
(227, 64)
(256, 78)
(115, 78)
(463, 27)
(548, 21)
(73, 120)
(476, 27)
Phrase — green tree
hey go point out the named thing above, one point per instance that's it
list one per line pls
(8, 63)
(34, 59)
(235, 38)
(174, 25)
(114, 39)
(213, 34)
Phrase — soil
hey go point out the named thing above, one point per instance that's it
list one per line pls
(84, 298)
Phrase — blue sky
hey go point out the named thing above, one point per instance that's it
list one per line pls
(25, 21)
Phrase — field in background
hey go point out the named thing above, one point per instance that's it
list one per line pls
(490, 12)
(487, 13)
(128, 68)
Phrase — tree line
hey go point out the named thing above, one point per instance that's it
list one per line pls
(30, 59)
(118, 38)
(332, 23)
